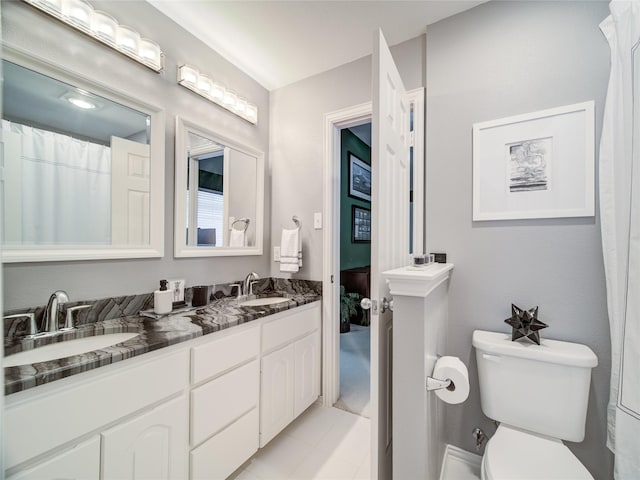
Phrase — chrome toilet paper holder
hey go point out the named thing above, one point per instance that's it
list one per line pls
(437, 384)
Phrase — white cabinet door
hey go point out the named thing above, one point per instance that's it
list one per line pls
(276, 393)
(151, 446)
(307, 372)
(81, 462)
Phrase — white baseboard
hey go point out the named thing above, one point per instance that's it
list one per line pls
(454, 455)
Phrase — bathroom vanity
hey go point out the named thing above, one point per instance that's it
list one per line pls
(197, 406)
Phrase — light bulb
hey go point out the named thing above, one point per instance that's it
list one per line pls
(205, 84)
(251, 113)
(54, 7)
(241, 105)
(188, 74)
(104, 26)
(78, 13)
(217, 91)
(127, 39)
(150, 52)
(229, 98)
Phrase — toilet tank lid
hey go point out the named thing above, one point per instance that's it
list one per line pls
(552, 351)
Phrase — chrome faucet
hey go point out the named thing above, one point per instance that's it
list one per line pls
(32, 327)
(50, 322)
(248, 284)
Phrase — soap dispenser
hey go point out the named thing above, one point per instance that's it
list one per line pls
(162, 299)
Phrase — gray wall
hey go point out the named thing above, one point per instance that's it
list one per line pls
(24, 27)
(297, 142)
(496, 60)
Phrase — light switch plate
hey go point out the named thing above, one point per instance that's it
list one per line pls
(317, 220)
(276, 254)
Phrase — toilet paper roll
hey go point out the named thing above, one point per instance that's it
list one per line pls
(453, 369)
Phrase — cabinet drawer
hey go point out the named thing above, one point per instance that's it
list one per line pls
(290, 327)
(220, 402)
(217, 458)
(81, 462)
(221, 354)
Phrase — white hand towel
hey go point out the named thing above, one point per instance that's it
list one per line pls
(237, 238)
(290, 250)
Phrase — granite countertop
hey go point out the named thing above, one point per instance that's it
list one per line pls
(153, 334)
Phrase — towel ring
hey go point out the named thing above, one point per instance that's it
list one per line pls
(245, 221)
(296, 220)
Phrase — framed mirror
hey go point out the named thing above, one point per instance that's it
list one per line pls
(219, 194)
(83, 167)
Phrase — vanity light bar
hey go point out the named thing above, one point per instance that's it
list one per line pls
(200, 83)
(103, 27)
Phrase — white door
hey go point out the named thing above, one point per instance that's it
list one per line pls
(307, 372)
(390, 235)
(130, 190)
(276, 393)
(152, 446)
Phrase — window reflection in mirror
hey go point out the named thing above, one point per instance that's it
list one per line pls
(76, 165)
(220, 209)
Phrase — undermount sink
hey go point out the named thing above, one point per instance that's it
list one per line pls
(259, 302)
(66, 349)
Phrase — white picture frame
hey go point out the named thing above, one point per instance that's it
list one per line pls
(535, 165)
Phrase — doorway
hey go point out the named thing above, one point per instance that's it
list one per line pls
(334, 123)
(355, 263)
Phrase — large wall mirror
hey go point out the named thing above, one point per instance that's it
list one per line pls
(83, 167)
(219, 193)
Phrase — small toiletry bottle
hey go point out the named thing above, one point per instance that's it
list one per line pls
(162, 299)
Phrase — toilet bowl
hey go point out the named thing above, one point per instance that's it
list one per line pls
(514, 454)
(539, 394)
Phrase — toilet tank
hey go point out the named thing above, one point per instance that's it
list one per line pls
(541, 388)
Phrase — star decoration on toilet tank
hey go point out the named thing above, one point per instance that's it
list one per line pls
(525, 323)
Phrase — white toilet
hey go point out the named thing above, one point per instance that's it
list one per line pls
(539, 394)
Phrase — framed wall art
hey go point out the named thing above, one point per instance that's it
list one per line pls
(359, 178)
(360, 224)
(536, 165)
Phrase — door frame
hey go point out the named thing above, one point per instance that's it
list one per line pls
(333, 123)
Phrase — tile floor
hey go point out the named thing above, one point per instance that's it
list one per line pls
(322, 444)
(355, 367)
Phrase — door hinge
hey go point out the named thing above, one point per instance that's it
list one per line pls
(412, 138)
(331, 278)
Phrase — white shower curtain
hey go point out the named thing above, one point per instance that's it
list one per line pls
(620, 218)
(65, 191)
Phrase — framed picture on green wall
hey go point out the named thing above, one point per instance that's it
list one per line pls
(360, 224)
(359, 178)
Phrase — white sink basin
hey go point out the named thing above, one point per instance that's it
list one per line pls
(259, 302)
(66, 349)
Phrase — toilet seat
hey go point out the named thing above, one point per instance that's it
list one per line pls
(513, 454)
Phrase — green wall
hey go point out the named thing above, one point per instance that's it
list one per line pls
(352, 255)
